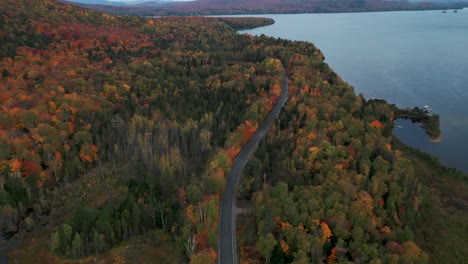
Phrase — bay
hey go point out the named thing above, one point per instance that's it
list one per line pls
(409, 58)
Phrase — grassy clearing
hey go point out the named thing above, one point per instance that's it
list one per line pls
(443, 225)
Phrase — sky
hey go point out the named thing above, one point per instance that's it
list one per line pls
(122, 1)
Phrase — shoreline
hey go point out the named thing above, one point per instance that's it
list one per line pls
(436, 139)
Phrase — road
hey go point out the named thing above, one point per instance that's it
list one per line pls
(227, 248)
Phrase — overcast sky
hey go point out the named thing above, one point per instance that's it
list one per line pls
(124, 1)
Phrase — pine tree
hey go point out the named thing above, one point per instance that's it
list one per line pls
(77, 246)
(55, 241)
(65, 238)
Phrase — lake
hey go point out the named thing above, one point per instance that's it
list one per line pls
(409, 58)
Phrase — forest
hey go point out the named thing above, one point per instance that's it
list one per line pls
(214, 7)
(117, 133)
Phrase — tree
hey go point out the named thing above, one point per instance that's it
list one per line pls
(55, 241)
(98, 243)
(194, 195)
(265, 246)
(77, 246)
(202, 258)
(413, 254)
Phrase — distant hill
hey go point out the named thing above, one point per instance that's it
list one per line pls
(118, 3)
(218, 7)
(98, 2)
(441, 1)
(132, 7)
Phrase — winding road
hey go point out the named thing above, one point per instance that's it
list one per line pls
(227, 251)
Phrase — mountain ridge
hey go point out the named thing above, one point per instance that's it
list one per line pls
(225, 7)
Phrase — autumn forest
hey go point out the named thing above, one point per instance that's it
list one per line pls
(117, 134)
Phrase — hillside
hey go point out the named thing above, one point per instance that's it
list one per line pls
(223, 7)
(117, 133)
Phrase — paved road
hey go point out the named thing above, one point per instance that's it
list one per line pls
(227, 251)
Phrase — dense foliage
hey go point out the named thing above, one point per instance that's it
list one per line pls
(326, 183)
(114, 127)
(213, 7)
(165, 104)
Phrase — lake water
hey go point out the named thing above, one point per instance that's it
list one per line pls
(410, 59)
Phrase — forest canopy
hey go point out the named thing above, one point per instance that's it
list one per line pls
(122, 129)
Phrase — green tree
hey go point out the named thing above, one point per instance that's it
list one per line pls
(55, 241)
(65, 238)
(265, 246)
(77, 246)
(98, 243)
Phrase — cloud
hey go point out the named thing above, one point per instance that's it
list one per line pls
(141, 1)
(123, 2)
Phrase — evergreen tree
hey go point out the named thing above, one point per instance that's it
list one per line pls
(77, 249)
